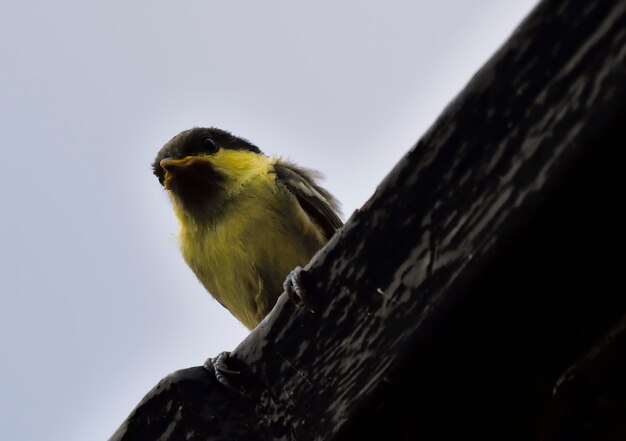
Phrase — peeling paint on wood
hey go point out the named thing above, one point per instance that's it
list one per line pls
(433, 285)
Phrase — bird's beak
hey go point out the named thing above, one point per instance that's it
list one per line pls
(174, 166)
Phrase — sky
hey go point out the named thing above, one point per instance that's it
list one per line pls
(96, 302)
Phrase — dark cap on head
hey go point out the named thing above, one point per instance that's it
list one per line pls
(199, 141)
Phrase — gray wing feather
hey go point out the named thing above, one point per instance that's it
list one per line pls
(316, 201)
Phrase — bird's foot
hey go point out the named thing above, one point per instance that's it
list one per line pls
(294, 288)
(226, 376)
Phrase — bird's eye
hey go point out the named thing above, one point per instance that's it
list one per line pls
(208, 145)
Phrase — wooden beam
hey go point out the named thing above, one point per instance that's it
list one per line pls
(455, 301)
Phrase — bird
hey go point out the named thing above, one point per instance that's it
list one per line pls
(248, 222)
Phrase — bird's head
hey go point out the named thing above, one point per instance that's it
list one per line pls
(200, 165)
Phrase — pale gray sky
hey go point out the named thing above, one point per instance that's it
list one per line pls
(96, 303)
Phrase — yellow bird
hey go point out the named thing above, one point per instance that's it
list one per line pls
(246, 219)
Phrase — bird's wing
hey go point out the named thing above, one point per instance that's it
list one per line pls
(318, 203)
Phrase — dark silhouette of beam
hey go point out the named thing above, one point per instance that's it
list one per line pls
(479, 292)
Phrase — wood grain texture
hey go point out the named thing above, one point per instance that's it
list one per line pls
(476, 275)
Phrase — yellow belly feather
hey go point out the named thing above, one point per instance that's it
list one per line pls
(243, 257)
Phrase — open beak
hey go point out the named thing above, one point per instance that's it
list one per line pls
(173, 167)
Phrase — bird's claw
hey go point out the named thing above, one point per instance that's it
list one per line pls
(294, 288)
(223, 373)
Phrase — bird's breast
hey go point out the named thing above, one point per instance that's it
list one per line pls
(243, 258)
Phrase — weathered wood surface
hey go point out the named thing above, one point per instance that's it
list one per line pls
(469, 284)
